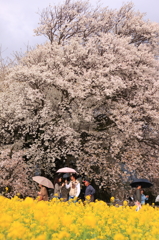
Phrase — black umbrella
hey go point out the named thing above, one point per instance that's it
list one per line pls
(144, 183)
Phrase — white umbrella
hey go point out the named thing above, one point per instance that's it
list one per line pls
(66, 170)
(43, 181)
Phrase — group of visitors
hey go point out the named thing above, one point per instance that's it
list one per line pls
(67, 189)
(70, 188)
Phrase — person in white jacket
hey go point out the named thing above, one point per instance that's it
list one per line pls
(74, 186)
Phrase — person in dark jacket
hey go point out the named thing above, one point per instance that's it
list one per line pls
(90, 191)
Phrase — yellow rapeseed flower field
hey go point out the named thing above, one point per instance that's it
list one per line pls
(55, 220)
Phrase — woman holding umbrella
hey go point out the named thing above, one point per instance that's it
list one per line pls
(58, 186)
(44, 183)
(74, 184)
(74, 187)
(43, 193)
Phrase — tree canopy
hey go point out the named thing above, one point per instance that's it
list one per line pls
(88, 98)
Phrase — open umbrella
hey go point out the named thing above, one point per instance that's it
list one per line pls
(43, 181)
(66, 170)
(144, 183)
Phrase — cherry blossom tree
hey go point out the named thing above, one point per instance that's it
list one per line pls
(14, 174)
(88, 98)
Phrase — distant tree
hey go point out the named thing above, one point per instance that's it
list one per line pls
(88, 98)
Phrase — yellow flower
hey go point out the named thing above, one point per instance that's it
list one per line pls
(125, 203)
(63, 235)
(119, 236)
(29, 219)
(88, 197)
(112, 199)
(17, 230)
(129, 230)
(90, 221)
(5, 220)
(41, 237)
(2, 237)
(66, 220)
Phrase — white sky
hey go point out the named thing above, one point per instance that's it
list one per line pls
(18, 18)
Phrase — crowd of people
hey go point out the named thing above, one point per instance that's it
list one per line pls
(68, 188)
(71, 188)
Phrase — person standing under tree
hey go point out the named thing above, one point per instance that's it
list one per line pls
(90, 191)
(43, 194)
(143, 197)
(74, 186)
(58, 186)
(64, 191)
(137, 197)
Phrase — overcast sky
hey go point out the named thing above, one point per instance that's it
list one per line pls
(18, 18)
